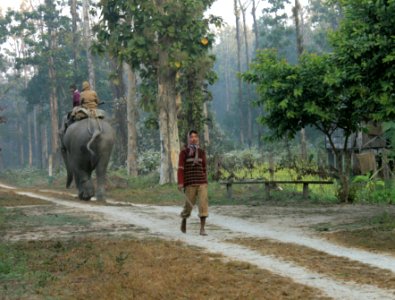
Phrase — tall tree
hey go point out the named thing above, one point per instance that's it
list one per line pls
(49, 18)
(239, 83)
(132, 115)
(74, 18)
(88, 42)
(299, 44)
(158, 48)
(254, 8)
(243, 9)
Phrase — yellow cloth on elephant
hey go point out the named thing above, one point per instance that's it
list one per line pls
(80, 113)
(88, 97)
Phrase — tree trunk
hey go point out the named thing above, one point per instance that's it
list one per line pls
(299, 44)
(88, 43)
(132, 115)
(255, 24)
(30, 139)
(44, 145)
(343, 173)
(343, 169)
(240, 89)
(120, 113)
(74, 17)
(206, 128)
(21, 145)
(36, 137)
(256, 34)
(53, 101)
(168, 127)
(247, 56)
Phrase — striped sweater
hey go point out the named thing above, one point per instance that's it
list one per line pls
(190, 174)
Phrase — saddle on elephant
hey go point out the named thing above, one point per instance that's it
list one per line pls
(79, 113)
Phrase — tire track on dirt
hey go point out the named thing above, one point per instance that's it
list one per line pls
(145, 216)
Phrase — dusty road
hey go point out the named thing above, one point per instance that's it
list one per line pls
(229, 223)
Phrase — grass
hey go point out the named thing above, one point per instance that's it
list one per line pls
(18, 217)
(374, 234)
(340, 268)
(138, 269)
(10, 198)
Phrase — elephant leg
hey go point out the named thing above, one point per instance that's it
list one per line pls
(85, 186)
(68, 164)
(101, 170)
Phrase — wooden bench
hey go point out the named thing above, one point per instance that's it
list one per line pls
(270, 184)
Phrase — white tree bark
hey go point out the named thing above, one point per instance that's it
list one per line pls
(44, 145)
(88, 43)
(30, 138)
(74, 17)
(35, 136)
(299, 44)
(168, 127)
(240, 87)
(53, 103)
(132, 115)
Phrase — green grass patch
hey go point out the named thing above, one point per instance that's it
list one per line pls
(381, 222)
(18, 218)
(374, 234)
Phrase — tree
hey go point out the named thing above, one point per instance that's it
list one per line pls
(299, 44)
(156, 37)
(311, 94)
(364, 49)
(239, 83)
(88, 43)
(322, 18)
(74, 17)
(132, 114)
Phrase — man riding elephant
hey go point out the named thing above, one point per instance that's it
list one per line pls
(88, 98)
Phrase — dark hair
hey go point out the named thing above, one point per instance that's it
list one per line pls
(73, 86)
(192, 131)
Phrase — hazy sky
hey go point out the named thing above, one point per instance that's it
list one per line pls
(223, 8)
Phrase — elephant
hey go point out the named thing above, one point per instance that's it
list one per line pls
(87, 146)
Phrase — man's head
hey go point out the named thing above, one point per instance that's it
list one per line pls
(86, 86)
(72, 87)
(193, 137)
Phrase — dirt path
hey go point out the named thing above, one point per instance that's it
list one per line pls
(164, 222)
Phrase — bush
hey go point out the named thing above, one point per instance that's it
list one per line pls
(148, 162)
(368, 189)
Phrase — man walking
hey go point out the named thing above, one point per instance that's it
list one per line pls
(192, 178)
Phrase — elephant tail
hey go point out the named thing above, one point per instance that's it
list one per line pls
(95, 134)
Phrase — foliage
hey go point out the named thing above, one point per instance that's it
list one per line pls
(26, 177)
(364, 52)
(323, 17)
(311, 93)
(178, 27)
(275, 31)
(366, 188)
(148, 161)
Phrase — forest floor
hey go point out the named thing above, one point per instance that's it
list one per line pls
(55, 246)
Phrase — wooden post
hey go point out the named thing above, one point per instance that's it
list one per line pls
(305, 190)
(267, 190)
(229, 190)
